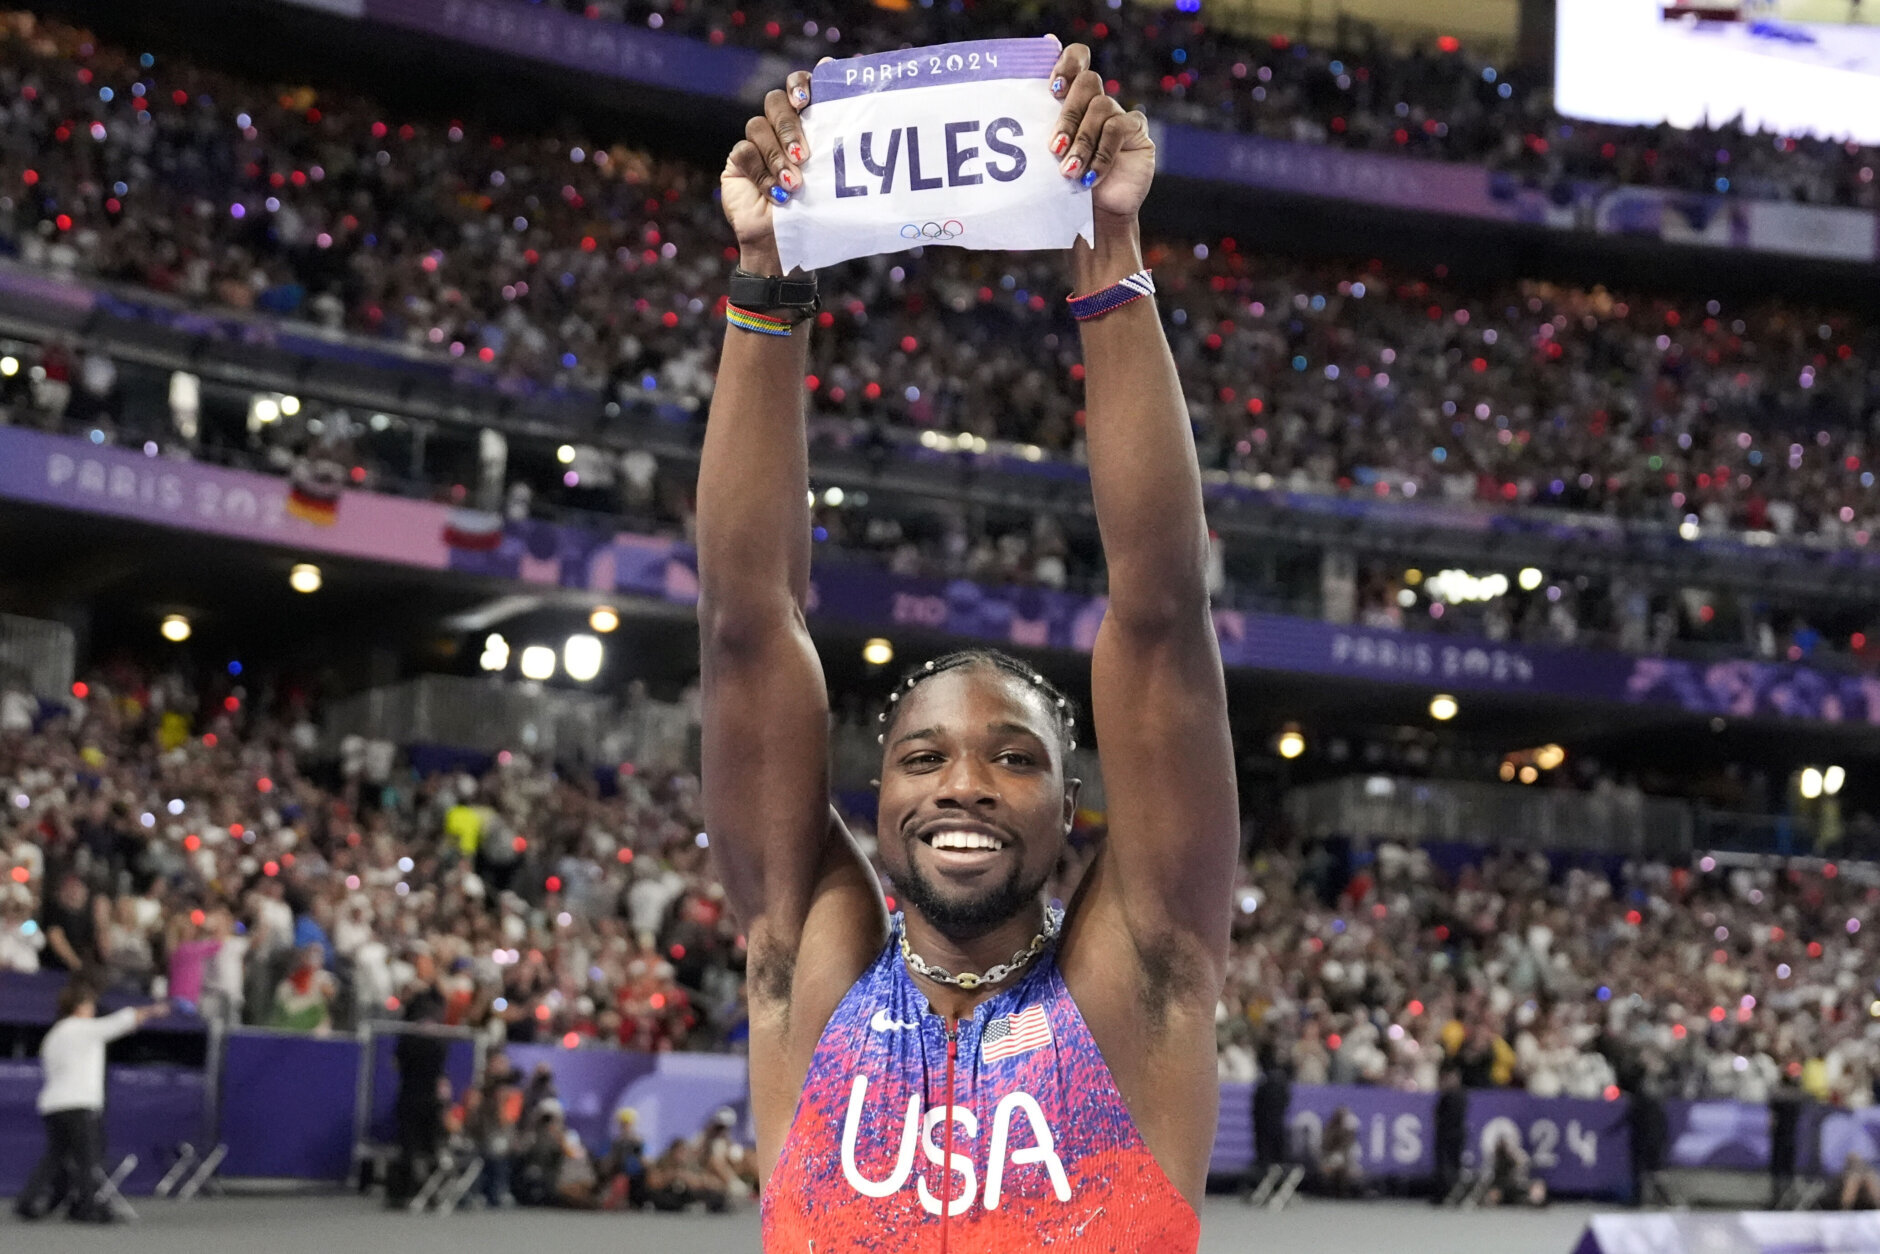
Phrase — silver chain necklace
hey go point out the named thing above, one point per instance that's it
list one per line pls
(968, 980)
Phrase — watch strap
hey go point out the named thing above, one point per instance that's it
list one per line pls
(796, 293)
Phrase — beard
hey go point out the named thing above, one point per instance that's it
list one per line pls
(973, 916)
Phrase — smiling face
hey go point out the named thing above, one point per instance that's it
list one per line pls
(974, 804)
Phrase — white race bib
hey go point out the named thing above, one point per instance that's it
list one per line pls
(942, 145)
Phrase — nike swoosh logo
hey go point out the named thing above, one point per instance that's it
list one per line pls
(882, 1023)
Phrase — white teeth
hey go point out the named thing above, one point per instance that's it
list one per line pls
(965, 840)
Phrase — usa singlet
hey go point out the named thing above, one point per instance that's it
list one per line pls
(1043, 1154)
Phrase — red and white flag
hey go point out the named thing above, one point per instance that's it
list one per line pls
(1011, 1035)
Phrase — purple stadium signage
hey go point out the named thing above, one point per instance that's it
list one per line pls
(1745, 1232)
(547, 33)
(1396, 1131)
(1473, 191)
(1577, 1146)
(674, 1094)
(1318, 170)
(73, 474)
(1845, 1132)
(1723, 1135)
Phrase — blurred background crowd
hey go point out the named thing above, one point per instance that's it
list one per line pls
(173, 841)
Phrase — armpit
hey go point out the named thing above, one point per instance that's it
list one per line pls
(771, 975)
(1176, 970)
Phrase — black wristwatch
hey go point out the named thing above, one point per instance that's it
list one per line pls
(768, 293)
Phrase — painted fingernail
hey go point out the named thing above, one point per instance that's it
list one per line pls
(796, 153)
(1071, 165)
(1059, 144)
(789, 180)
(801, 94)
(779, 195)
(1090, 178)
(1057, 85)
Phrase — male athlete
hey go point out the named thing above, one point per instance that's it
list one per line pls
(979, 1074)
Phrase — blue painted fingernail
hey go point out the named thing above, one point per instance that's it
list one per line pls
(801, 95)
(1057, 85)
(779, 195)
(1090, 178)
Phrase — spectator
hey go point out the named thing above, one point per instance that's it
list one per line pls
(623, 1170)
(679, 1180)
(72, 924)
(1339, 1170)
(71, 1104)
(21, 939)
(303, 1000)
(421, 1055)
(1511, 1183)
(1859, 1185)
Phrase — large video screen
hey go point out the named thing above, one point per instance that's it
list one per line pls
(1791, 67)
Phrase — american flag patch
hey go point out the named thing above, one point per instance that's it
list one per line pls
(1011, 1035)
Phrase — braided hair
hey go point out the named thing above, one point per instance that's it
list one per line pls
(1063, 709)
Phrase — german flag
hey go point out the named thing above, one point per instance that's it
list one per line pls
(314, 490)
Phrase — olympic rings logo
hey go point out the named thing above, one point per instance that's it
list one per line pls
(950, 229)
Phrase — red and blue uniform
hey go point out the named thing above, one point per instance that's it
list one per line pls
(1034, 1151)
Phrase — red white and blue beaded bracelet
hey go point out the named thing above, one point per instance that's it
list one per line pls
(1115, 296)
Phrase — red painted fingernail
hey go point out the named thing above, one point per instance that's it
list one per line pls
(1059, 144)
(788, 179)
(1071, 165)
(796, 153)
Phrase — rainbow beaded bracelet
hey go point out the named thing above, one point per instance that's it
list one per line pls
(762, 324)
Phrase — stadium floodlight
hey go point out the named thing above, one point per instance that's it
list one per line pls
(538, 662)
(1531, 578)
(290, 405)
(495, 653)
(263, 410)
(305, 577)
(1291, 742)
(175, 628)
(565, 454)
(1443, 707)
(834, 496)
(9, 365)
(1811, 782)
(878, 652)
(1832, 779)
(581, 657)
(604, 619)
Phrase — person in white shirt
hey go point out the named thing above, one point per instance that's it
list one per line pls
(71, 1102)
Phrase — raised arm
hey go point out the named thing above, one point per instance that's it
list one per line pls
(789, 868)
(1159, 700)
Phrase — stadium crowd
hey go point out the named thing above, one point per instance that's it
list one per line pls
(197, 843)
(550, 259)
(1433, 99)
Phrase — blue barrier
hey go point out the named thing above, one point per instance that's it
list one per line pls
(148, 1111)
(288, 1103)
